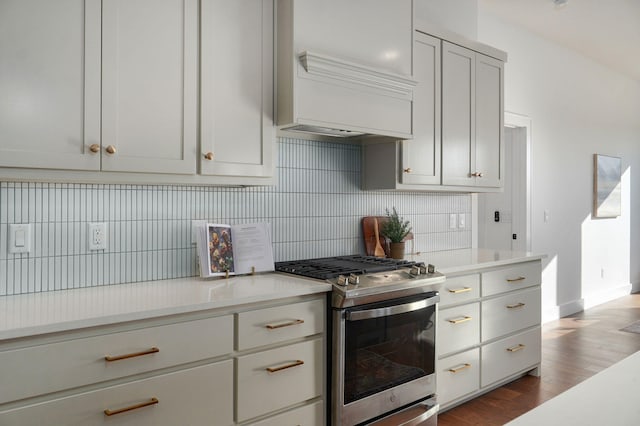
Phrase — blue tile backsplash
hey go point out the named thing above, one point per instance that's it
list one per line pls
(314, 210)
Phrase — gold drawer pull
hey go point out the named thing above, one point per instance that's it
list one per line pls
(458, 369)
(516, 305)
(513, 280)
(460, 320)
(110, 358)
(284, 324)
(284, 367)
(152, 401)
(460, 290)
(516, 348)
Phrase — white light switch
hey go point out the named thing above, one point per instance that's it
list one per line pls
(19, 238)
(453, 221)
(462, 223)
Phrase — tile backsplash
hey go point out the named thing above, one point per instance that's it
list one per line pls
(314, 210)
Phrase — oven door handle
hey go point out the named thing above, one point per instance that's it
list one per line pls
(392, 310)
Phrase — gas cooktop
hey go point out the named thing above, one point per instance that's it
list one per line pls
(365, 279)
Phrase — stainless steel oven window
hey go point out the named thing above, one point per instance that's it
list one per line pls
(387, 345)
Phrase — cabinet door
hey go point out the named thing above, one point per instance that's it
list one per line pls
(149, 85)
(458, 115)
(50, 83)
(421, 156)
(237, 136)
(489, 121)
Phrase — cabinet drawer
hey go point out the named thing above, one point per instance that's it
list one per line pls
(83, 361)
(460, 289)
(277, 378)
(309, 415)
(458, 328)
(196, 396)
(510, 313)
(278, 324)
(511, 278)
(510, 356)
(458, 375)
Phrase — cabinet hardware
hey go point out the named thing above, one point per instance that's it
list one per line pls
(408, 170)
(476, 174)
(458, 369)
(516, 305)
(460, 320)
(208, 156)
(110, 149)
(284, 367)
(516, 348)
(152, 401)
(513, 280)
(95, 148)
(285, 324)
(150, 351)
(459, 290)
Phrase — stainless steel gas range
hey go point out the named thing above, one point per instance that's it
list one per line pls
(383, 333)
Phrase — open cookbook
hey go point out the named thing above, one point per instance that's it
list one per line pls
(234, 249)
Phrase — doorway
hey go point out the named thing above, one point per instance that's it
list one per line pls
(504, 219)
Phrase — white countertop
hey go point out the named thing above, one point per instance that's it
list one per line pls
(465, 260)
(608, 398)
(49, 312)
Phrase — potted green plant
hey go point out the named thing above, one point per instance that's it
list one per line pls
(395, 229)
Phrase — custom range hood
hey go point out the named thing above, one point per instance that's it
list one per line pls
(344, 67)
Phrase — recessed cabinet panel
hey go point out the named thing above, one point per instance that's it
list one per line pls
(458, 375)
(458, 116)
(421, 155)
(149, 85)
(489, 120)
(237, 134)
(49, 84)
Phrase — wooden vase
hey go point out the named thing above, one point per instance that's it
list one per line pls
(397, 250)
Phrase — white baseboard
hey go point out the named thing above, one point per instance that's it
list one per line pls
(589, 301)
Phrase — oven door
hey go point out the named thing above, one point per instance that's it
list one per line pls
(384, 357)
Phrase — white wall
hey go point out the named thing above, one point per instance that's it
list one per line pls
(578, 108)
(459, 16)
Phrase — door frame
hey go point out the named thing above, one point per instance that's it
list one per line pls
(511, 119)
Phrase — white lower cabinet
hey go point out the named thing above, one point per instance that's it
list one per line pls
(510, 356)
(488, 330)
(277, 378)
(458, 375)
(308, 415)
(188, 370)
(196, 396)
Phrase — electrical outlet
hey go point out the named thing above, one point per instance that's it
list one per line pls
(97, 236)
(19, 240)
(453, 221)
(462, 221)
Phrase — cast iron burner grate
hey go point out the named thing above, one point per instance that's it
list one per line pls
(331, 267)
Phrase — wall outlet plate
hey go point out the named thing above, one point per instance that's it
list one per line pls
(453, 221)
(97, 236)
(462, 220)
(19, 240)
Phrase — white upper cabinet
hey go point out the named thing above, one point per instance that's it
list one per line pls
(149, 85)
(421, 155)
(237, 134)
(50, 84)
(344, 67)
(472, 118)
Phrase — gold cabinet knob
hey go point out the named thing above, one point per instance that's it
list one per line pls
(95, 148)
(408, 170)
(209, 156)
(110, 149)
(476, 174)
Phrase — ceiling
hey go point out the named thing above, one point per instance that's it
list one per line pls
(605, 31)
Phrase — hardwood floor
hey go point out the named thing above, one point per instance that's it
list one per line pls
(573, 349)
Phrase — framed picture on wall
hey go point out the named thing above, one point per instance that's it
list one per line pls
(607, 189)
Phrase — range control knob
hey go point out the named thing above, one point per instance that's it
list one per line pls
(354, 279)
(415, 271)
(342, 280)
